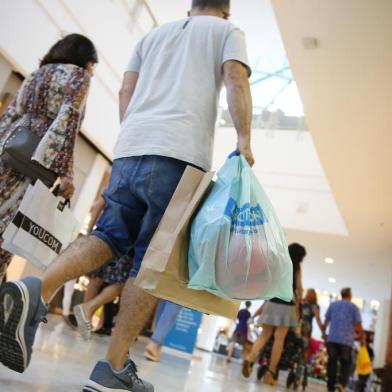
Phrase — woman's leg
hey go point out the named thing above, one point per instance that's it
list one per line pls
(108, 294)
(159, 310)
(277, 348)
(92, 289)
(260, 343)
(230, 350)
(167, 314)
(165, 322)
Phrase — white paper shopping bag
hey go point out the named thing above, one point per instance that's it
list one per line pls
(42, 227)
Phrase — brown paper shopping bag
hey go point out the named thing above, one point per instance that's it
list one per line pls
(164, 270)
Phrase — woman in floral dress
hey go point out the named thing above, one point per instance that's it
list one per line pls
(51, 103)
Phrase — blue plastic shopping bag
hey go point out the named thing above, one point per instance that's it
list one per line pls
(237, 248)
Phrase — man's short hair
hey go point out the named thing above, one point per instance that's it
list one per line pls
(217, 4)
(248, 304)
(346, 292)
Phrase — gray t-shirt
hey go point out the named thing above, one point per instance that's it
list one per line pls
(173, 110)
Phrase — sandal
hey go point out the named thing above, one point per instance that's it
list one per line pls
(270, 378)
(247, 368)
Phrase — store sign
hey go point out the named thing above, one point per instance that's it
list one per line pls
(183, 335)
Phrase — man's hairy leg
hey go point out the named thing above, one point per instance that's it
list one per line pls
(84, 255)
(135, 310)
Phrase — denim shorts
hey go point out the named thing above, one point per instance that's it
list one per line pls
(138, 193)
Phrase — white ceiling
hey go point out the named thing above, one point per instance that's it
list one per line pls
(345, 88)
(256, 18)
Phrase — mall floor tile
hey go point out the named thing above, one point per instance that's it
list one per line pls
(62, 361)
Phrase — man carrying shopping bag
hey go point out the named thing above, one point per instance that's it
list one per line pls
(168, 107)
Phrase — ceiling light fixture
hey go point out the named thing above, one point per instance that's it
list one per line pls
(329, 260)
(310, 43)
(331, 280)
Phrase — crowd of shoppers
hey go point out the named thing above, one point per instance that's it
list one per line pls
(168, 108)
(342, 323)
(277, 316)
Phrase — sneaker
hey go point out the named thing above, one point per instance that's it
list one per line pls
(247, 367)
(153, 352)
(84, 323)
(104, 379)
(21, 311)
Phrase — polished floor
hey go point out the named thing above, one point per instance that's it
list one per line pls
(62, 361)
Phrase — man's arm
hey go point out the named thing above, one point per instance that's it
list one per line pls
(324, 329)
(316, 313)
(95, 213)
(259, 311)
(326, 322)
(127, 89)
(361, 333)
(299, 292)
(239, 99)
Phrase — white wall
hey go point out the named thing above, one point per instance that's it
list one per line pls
(29, 27)
(382, 334)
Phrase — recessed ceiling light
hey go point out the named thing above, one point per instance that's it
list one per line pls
(310, 43)
(331, 280)
(328, 260)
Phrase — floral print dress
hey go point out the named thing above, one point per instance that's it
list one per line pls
(51, 102)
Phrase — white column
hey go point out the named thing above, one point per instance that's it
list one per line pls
(90, 188)
(382, 334)
(208, 330)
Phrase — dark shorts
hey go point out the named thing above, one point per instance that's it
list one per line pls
(115, 271)
(239, 337)
(139, 191)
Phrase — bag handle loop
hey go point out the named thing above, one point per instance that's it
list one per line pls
(56, 192)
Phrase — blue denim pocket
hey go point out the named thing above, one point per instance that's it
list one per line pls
(116, 177)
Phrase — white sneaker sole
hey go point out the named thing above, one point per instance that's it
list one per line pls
(92, 386)
(13, 346)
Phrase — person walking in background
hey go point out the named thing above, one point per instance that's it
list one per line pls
(310, 311)
(51, 102)
(240, 334)
(364, 367)
(277, 317)
(106, 284)
(166, 316)
(112, 280)
(343, 319)
(168, 109)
